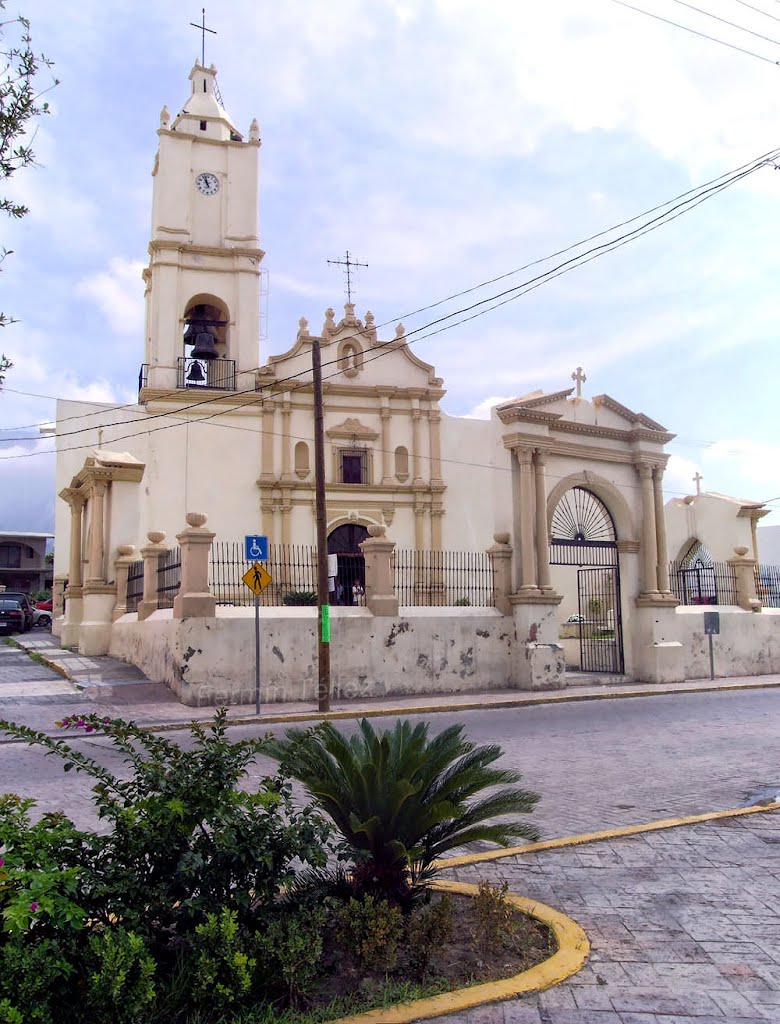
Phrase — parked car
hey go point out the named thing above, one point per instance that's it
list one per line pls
(12, 617)
(42, 617)
(24, 601)
(45, 606)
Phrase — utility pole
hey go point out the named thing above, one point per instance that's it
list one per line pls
(323, 617)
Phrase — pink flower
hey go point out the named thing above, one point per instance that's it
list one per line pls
(2, 862)
(80, 724)
(34, 906)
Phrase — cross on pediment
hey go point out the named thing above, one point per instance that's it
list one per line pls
(697, 480)
(203, 30)
(580, 378)
(349, 263)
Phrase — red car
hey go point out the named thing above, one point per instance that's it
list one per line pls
(45, 606)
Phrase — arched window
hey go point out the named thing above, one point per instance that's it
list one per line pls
(302, 460)
(206, 348)
(402, 463)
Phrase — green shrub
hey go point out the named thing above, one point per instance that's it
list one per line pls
(462, 602)
(297, 597)
(400, 800)
(120, 984)
(371, 931)
(9, 1014)
(38, 976)
(223, 971)
(495, 917)
(290, 948)
(428, 930)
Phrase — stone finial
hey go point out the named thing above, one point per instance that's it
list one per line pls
(329, 327)
(400, 331)
(254, 131)
(165, 118)
(126, 550)
(196, 519)
(155, 536)
(303, 327)
(370, 329)
(740, 551)
(349, 312)
(376, 530)
(501, 538)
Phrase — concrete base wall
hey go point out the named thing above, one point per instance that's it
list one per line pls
(748, 644)
(423, 650)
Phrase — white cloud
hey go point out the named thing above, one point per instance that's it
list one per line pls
(119, 294)
(481, 411)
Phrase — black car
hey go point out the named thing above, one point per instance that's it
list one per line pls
(12, 617)
(24, 601)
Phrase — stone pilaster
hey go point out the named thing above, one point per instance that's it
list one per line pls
(194, 599)
(287, 474)
(662, 569)
(434, 421)
(384, 412)
(416, 416)
(542, 533)
(649, 544)
(527, 506)
(380, 591)
(74, 593)
(96, 569)
(151, 556)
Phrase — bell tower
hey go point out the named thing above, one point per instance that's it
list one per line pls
(203, 279)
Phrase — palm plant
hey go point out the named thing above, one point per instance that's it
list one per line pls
(400, 800)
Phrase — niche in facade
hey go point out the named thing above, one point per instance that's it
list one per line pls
(302, 460)
(401, 463)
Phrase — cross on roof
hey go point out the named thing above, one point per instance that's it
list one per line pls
(580, 378)
(697, 480)
(203, 31)
(348, 263)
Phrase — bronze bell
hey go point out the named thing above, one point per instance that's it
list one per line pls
(201, 334)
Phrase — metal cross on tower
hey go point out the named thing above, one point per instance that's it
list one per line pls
(697, 480)
(203, 31)
(580, 379)
(348, 262)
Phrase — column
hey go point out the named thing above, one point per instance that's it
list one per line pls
(122, 563)
(194, 599)
(76, 529)
(649, 547)
(542, 533)
(416, 414)
(437, 511)
(380, 591)
(419, 520)
(434, 418)
(286, 413)
(660, 531)
(151, 556)
(267, 454)
(384, 412)
(527, 567)
(95, 572)
(501, 560)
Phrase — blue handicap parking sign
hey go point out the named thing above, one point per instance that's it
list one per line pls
(255, 548)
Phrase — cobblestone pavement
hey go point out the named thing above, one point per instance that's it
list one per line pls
(684, 926)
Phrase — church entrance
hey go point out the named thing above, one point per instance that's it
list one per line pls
(582, 536)
(348, 585)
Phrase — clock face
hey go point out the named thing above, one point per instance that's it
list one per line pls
(207, 184)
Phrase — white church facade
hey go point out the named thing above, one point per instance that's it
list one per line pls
(564, 492)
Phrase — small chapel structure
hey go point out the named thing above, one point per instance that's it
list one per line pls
(563, 493)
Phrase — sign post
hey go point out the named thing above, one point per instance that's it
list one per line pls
(257, 579)
(711, 629)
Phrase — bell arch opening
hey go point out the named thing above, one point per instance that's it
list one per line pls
(585, 566)
(205, 345)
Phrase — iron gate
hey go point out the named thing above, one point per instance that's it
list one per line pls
(601, 624)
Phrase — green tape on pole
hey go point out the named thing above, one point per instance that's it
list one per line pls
(325, 609)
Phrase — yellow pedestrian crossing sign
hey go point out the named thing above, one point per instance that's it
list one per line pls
(256, 578)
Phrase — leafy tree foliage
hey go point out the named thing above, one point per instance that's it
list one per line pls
(21, 104)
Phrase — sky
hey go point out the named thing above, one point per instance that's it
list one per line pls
(444, 143)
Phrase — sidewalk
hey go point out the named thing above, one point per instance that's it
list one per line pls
(113, 687)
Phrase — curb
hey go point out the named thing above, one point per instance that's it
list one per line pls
(610, 833)
(572, 952)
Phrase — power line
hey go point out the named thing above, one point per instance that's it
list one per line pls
(695, 198)
(758, 9)
(731, 24)
(695, 32)
(754, 163)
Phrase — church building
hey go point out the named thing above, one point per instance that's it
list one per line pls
(566, 492)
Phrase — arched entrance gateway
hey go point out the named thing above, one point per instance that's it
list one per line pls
(582, 535)
(349, 582)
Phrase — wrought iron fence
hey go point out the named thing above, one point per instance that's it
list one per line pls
(703, 584)
(168, 577)
(217, 374)
(427, 578)
(292, 568)
(135, 585)
(768, 585)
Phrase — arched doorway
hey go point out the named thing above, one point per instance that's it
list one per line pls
(695, 576)
(582, 535)
(349, 583)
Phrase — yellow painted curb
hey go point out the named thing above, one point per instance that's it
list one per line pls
(595, 837)
(573, 949)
